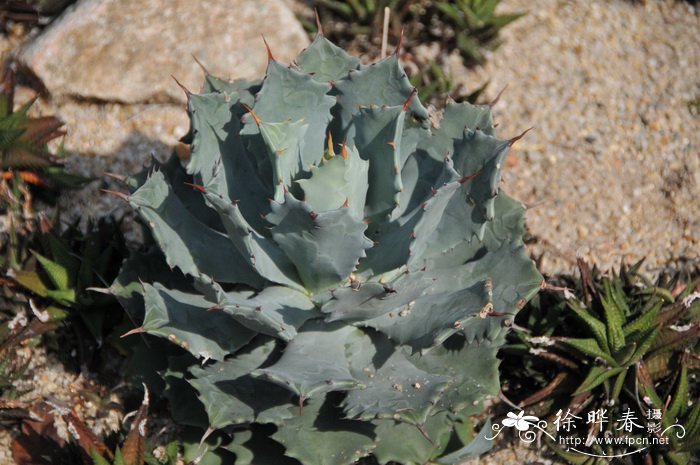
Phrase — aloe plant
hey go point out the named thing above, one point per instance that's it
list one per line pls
(23, 143)
(476, 26)
(361, 17)
(336, 273)
(66, 265)
(469, 26)
(611, 342)
(679, 406)
(137, 447)
(28, 169)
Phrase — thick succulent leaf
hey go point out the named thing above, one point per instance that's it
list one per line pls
(276, 311)
(335, 181)
(175, 175)
(23, 156)
(232, 397)
(144, 266)
(458, 296)
(14, 119)
(218, 157)
(395, 388)
(507, 226)
(321, 436)
(405, 240)
(290, 95)
(680, 401)
(479, 445)
(60, 179)
(453, 241)
(187, 243)
(324, 247)
(618, 385)
(405, 444)
(62, 296)
(419, 173)
(213, 117)
(480, 153)
(434, 316)
(56, 272)
(183, 319)
(642, 341)
(514, 276)
(211, 451)
(378, 140)
(614, 318)
(589, 346)
(61, 254)
(413, 137)
(625, 354)
(244, 455)
(283, 142)
(259, 252)
(97, 459)
(254, 447)
(644, 321)
(596, 376)
(515, 280)
(326, 61)
(30, 280)
(596, 326)
(473, 367)
(245, 89)
(456, 118)
(185, 407)
(361, 89)
(373, 299)
(314, 362)
(465, 133)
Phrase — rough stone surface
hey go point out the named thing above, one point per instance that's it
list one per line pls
(126, 50)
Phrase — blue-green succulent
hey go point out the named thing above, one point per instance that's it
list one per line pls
(339, 264)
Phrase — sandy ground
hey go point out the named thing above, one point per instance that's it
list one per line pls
(612, 165)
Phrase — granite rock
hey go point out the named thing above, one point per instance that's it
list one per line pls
(126, 50)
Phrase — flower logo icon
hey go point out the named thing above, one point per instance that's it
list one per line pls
(520, 421)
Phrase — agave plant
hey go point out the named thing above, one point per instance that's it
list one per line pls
(340, 271)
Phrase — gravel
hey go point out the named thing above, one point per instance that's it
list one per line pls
(612, 165)
(48, 380)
